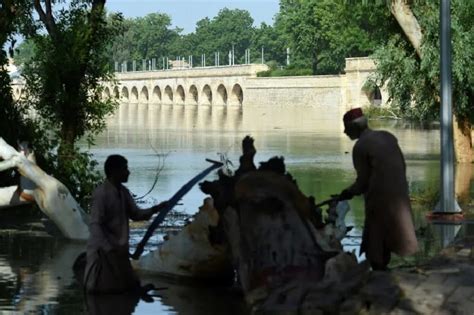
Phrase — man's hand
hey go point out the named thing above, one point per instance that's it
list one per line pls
(160, 206)
(346, 194)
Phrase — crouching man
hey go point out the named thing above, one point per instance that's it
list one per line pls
(108, 268)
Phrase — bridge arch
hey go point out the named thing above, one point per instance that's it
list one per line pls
(156, 95)
(168, 95)
(180, 96)
(193, 95)
(116, 92)
(236, 95)
(206, 95)
(375, 96)
(144, 94)
(221, 95)
(124, 93)
(106, 93)
(134, 96)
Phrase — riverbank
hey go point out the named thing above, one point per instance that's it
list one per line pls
(444, 285)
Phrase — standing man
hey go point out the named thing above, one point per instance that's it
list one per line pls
(108, 268)
(380, 168)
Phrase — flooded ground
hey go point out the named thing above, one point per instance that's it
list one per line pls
(35, 268)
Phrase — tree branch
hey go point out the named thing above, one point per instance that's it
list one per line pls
(47, 18)
(406, 19)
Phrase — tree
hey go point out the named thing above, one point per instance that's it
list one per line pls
(24, 53)
(144, 38)
(14, 125)
(323, 33)
(272, 40)
(409, 65)
(64, 87)
(228, 29)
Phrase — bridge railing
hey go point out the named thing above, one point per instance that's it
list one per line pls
(188, 62)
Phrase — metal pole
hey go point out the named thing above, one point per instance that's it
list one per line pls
(233, 55)
(447, 202)
(263, 58)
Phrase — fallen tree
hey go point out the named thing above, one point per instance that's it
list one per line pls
(286, 253)
(51, 196)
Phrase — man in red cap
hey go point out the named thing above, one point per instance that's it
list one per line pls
(380, 168)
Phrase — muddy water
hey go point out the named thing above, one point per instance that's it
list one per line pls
(35, 274)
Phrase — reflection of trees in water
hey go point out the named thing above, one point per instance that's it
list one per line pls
(43, 273)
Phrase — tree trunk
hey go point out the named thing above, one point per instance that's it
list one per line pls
(462, 140)
(281, 248)
(51, 196)
(462, 130)
(408, 22)
(66, 152)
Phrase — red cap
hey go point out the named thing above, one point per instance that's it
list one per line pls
(352, 114)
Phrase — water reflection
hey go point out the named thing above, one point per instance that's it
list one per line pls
(35, 269)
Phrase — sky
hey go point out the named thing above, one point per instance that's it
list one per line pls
(185, 13)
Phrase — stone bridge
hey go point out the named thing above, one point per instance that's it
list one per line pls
(239, 86)
(216, 86)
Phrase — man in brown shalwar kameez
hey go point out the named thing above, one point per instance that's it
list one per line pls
(108, 268)
(380, 168)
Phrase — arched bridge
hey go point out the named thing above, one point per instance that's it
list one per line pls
(238, 85)
(214, 86)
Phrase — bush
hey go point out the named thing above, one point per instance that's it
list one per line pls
(288, 72)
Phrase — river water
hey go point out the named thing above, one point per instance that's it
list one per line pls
(35, 268)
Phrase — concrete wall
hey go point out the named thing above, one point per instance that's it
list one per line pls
(344, 91)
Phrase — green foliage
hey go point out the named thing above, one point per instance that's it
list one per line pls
(425, 195)
(14, 124)
(24, 53)
(285, 72)
(273, 42)
(413, 83)
(326, 32)
(379, 112)
(229, 28)
(63, 84)
(142, 38)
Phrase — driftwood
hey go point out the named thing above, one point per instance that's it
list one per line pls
(191, 252)
(51, 196)
(283, 248)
